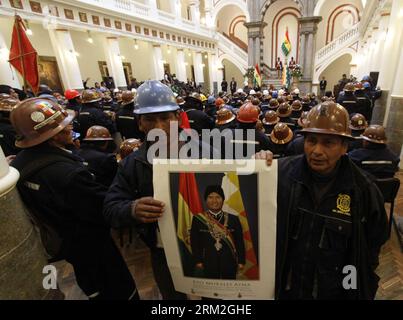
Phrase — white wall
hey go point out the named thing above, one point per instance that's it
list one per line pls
(224, 19)
(89, 56)
(232, 71)
(141, 60)
(287, 21)
(334, 72)
(342, 22)
(40, 39)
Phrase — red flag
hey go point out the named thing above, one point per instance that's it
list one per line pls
(185, 121)
(23, 56)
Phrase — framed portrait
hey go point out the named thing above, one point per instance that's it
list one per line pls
(118, 25)
(128, 27)
(146, 31)
(95, 20)
(154, 33)
(69, 14)
(219, 227)
(161, 35)
(49, 73)
(168, 36)
(35, 6)
(16, 4)
(83, 17)
(173, 37)
(107, 22)
(103, 69)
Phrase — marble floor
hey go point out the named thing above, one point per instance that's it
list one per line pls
(137, 257)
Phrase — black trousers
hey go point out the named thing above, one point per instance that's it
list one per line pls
(103, 273)
(163, 276)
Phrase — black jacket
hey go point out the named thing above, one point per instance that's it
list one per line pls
(127, 124)
(348, 101)
(199, 120)
(379, 161)
(102, 164)
(7, 138)
(67, 195)
(369, 223)
(92, 116)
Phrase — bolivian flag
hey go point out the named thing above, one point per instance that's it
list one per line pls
(286, 46)
(189, 204)
(234, 205)
(257, 78)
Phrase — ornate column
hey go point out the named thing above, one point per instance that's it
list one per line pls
(394, 115)
(8, 74)
(66, 57)
(180, 65)
(383, 28)
(198, 67)
(255, 34)
(158, 63)
(213, 72)
(195, 11)
(308, 29)
(390, 59)
(208, 11)
(114, 61)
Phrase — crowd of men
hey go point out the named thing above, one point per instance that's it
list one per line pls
(84, 169)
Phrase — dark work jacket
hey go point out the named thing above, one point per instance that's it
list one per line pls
(364, 105)
(102, 164)
(199, 120)
(289, 122)
(348, 101)
(296, 146)
(365, 236)
(92, 116)
(127, 124)
(134, 180)
(66, 193)
(7, 138)
(379, 161)
(239, 141)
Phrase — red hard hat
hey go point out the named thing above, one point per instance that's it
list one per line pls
(71, 94)
(248, 113)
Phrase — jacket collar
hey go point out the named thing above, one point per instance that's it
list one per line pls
(301, 173)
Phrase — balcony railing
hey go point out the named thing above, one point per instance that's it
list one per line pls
(232, 50)
(345, 39)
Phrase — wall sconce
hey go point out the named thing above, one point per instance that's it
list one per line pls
(28, 31)
(136, 46)
(169, 50)
(90, 40)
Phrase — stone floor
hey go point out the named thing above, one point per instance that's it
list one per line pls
(137, 257)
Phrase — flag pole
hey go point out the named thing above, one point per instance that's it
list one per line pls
(18, 19)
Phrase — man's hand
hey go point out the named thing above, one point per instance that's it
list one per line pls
(199, 266)
(9, 159)
(147, 210)
(265, 155)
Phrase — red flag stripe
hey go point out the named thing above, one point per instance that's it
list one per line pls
(190, 192)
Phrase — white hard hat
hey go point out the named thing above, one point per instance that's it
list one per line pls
(134, 90)
(252, 92)
(296, 91)
(265, 92)
(240, 90)
(115, 90)
(281, 92)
